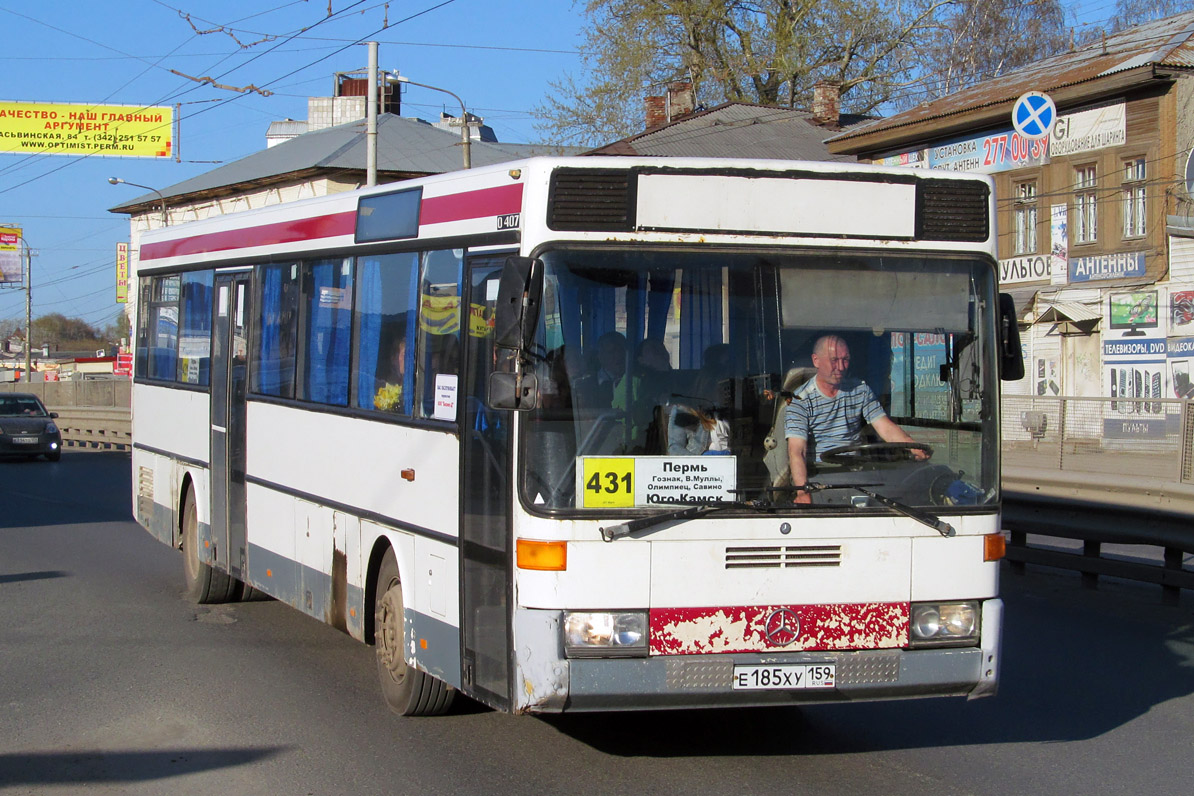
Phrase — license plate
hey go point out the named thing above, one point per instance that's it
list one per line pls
(785, 677)
(24, 440)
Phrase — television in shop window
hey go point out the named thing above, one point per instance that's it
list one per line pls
(1134, 312)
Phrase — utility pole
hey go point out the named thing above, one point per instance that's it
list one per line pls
(28, 312)
(371, 119)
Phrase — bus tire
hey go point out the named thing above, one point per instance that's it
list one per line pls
(407, 691)
(205, 584)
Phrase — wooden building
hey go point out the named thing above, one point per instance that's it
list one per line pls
(1096, 227)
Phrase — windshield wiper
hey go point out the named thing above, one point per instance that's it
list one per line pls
(692, 511)
(689, 512)
(940, 526)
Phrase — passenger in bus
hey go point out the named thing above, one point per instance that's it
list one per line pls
(607, 387)
(391, 373)
(696, 426)
(830, 410)
(655, 369)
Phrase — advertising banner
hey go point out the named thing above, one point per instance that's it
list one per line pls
(10, 256)
(1030, 268)
(1107, 266)
(122, 273)
(1087, 131)
(43, 128)
(988, 154)
(1059, 244)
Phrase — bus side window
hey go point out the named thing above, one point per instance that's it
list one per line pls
(439, 322)
(328, 325)
(384, 374)
(276, 347)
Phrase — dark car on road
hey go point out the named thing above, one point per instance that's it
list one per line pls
(26, 427)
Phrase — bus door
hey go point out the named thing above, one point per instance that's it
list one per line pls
(228, 382)
(485, 521)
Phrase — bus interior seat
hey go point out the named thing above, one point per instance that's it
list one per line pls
(776, 457)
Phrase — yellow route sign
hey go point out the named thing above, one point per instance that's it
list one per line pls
(45, 128)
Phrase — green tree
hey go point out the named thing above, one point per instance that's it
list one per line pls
(765, 51)
(58, 331)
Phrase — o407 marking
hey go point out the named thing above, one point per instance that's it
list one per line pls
(509, 221)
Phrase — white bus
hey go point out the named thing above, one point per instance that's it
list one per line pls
(521, 428)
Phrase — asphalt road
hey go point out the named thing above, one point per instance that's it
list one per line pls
(111, 683)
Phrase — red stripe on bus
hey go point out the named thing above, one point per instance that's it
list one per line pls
(328, 226)
(502, 200)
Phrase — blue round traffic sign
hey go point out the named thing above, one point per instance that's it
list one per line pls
(1033, 115)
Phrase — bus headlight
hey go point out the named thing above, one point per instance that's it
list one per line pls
(953, 624)
(602, 634)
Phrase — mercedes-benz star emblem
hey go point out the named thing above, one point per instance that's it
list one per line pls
(782, 627)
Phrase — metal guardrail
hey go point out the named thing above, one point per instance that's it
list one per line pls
(92, 427)
(1116, 471)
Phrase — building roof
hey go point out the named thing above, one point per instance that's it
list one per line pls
(735, 129)
(1134, 55)
(406, 147)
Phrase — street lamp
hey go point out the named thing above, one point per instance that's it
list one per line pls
(119, 181)
(465, 138)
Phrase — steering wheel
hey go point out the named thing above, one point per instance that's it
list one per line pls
(874, 452)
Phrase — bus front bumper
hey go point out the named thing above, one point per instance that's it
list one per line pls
(702, 681)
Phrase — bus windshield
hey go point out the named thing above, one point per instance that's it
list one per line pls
(668, 376)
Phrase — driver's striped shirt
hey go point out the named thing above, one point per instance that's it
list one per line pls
(831, 422)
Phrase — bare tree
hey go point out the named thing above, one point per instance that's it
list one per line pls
(1129, 13)
(765, 51)
(976, 40)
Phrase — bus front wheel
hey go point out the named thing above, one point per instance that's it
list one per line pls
(407, 690)
(205, 583)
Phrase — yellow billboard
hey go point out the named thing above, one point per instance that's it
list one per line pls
(45, 128)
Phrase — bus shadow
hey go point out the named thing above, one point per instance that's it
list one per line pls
(21, 577)
(1076, 664)
(104, 767)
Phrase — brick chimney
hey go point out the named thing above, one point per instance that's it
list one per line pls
(827, 104)
(656, 111)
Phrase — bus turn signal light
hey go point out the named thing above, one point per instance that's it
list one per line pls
(994, 547)
(552, 556)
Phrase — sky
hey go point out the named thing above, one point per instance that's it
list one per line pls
(498, 55)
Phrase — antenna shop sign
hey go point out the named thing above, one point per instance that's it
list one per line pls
(44, 128)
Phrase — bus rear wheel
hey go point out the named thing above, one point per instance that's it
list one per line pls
(406, 690)
(205, 584)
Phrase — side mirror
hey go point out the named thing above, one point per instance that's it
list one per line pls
(513, 390)
(520, 291)
(1011, 358)
(53, 415)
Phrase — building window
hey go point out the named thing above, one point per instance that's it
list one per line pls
(1086, 205)
(1133, 192)
(1025, 218)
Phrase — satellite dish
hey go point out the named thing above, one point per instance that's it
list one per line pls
(1190, 174)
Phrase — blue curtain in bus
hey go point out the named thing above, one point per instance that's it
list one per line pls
(328, 336)
(269, 366)
(700, 316)
(195, 339)
(408, 369)
(368, 310)
(636, 314)
(659, 302)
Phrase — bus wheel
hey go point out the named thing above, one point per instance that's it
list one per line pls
(407, 690)
(205, 583)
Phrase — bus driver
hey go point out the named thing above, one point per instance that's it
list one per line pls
(830, 409)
